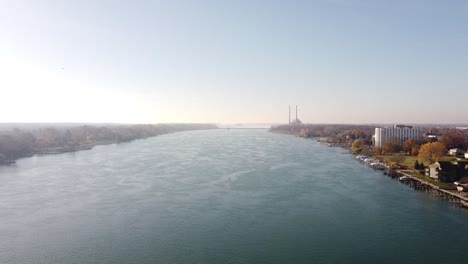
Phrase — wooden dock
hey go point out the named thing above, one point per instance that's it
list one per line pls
(422, 185)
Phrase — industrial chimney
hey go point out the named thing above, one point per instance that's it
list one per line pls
(296, 113)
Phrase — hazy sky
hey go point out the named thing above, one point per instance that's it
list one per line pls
(341, 61)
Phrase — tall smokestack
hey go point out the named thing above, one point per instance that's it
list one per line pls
(289, 114)
(296, 113)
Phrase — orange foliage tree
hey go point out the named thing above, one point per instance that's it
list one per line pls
(409, 144)
(431, 152)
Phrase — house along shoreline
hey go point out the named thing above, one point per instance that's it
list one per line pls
(404, 176)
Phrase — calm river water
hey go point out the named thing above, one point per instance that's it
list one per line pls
(219, 196)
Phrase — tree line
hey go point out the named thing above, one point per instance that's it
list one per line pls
(334, 133)
(18, 143)
(359, 139)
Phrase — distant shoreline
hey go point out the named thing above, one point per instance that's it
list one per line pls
(405, 176)
(16, 144)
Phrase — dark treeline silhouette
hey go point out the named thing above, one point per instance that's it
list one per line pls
(18, 143)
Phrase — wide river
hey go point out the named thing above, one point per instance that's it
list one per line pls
(219, 196)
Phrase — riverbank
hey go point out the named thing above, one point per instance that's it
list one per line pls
(410, 177)
(16, 144)
(250, 186)
(419, 184)
(413, 179)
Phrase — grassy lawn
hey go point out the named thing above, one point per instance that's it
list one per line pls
(409, 162)
(425, 178)
(406, 160)
(448, 158)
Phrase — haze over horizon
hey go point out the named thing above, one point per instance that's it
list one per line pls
(233, 61)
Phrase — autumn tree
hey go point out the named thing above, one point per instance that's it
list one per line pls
(377, 150)
(366, 151)
(431, 152)
(454, 138)
(357, 144)
(409, 144)
(390, 147)
(304, 132)
(415, 150)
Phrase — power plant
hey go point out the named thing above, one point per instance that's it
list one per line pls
(296, 121)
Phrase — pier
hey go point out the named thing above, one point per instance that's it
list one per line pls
(404, 176)
(421, 185)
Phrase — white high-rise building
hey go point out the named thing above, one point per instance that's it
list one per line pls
(398, 134)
